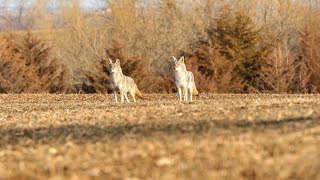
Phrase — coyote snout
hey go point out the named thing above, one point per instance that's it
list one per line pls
(121, 83)
(184, 79)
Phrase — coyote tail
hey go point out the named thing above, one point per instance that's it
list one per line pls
(138, 93)
(194, 89)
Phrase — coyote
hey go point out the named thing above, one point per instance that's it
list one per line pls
(184, 79)
(121, 83)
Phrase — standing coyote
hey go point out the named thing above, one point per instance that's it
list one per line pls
(121, 83)
(184, 79)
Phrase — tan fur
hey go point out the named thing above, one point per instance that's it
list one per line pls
(139, 94)
(184, 80)
(121, 83)
(195, 91)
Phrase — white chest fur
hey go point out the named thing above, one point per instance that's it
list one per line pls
(182, 78)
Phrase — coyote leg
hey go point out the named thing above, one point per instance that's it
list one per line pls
(115, 96)
(133, 95)
(190, 91)
(122, 98)
(185, 93)
(126, 95)
(180, 93)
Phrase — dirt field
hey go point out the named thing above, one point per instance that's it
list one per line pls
(216, 136)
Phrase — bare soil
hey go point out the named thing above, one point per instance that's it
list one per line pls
(214, 137)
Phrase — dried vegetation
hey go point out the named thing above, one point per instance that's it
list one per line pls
(215, 137)
(261, 46)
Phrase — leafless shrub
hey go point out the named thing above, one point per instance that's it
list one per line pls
(156, 30)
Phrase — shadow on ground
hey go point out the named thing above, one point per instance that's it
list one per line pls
(83, 133)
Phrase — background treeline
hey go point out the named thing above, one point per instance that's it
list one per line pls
(232, 46)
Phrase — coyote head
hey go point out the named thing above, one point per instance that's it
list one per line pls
(114, 67)
(178, 65)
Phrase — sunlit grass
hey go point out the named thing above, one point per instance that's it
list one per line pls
(216, 136)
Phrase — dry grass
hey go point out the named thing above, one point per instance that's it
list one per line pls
(274, 42)
(221, 136)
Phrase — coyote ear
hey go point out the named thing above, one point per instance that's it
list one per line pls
(182, 59)
(174, 59)
(118, 61)
(110, 61)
